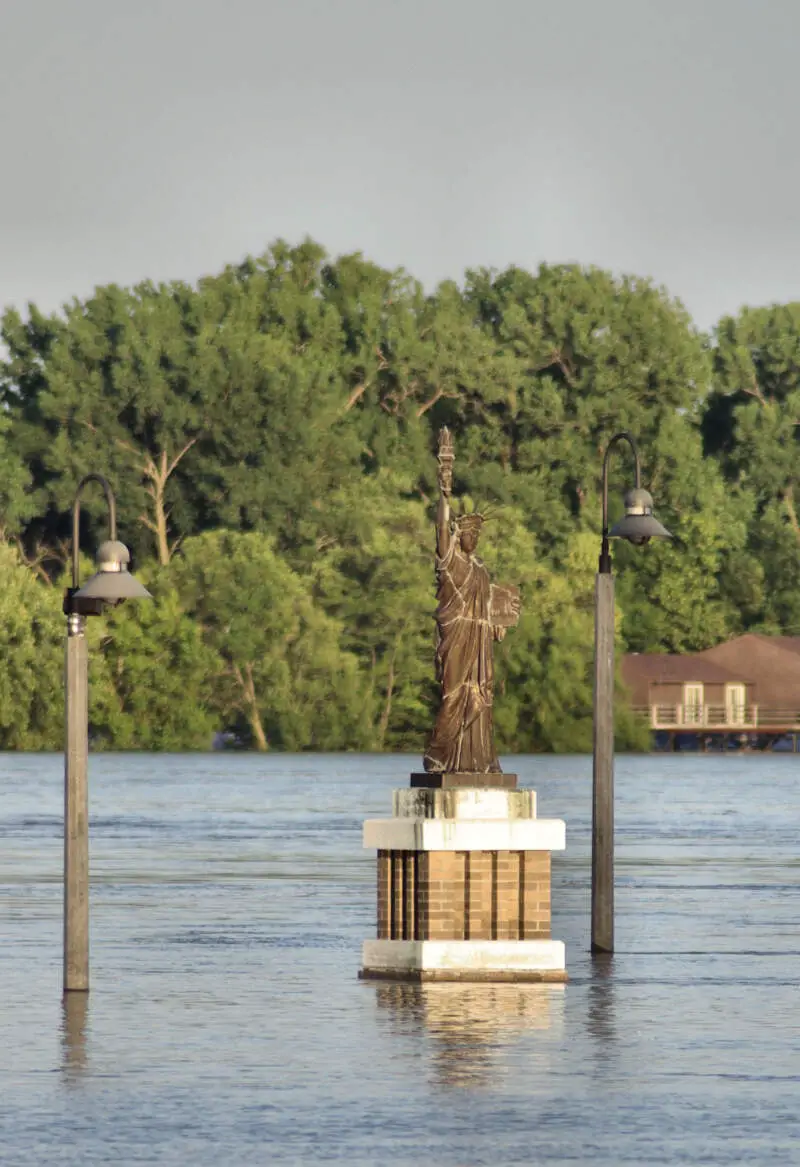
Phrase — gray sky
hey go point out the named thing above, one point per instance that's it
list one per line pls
(164, 138)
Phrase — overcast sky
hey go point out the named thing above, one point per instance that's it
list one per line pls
(164, 138)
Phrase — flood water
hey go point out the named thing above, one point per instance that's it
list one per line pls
(226, 1024)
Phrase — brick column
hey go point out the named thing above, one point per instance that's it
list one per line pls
(464, 888)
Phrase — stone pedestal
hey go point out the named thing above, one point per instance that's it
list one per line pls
(464, 887)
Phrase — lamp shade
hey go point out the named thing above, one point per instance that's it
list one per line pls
(639, 523)
(112, 580)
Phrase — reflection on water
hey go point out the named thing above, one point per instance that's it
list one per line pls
(601, 1021)
(471, 1024)
(74, 1022)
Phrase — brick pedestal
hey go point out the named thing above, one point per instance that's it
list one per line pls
(464, 887)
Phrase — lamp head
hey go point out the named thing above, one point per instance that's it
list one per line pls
(639, 525)
(112, 581)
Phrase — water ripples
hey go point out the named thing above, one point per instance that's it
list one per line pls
(226, 1022)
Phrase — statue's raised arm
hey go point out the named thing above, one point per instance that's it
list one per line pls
(446, 459)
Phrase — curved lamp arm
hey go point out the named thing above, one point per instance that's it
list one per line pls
(76, 517)
(624, 435)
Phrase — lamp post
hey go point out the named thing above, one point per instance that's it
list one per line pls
(111, 583)
(638, 526)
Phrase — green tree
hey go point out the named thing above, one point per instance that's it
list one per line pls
(588, 355)
(669, 591)
(277, 443)
(158, 677)
(595, 355)
(750, 426)
(286, 681)
(118, 383)
(275, 425)
(544, 668)
(32, 649)
(15, 503)
(374, 571)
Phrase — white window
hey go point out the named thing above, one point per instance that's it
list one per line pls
(693, 704)
(735, 704)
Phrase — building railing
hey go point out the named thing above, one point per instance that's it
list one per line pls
(720, 717)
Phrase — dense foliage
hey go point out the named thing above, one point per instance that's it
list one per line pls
(270, 434)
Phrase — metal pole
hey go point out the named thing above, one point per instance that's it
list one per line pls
(76, 809)
(76, 757)
(603, 730)
(603, 767)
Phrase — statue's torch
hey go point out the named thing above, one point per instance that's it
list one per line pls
(446, 459)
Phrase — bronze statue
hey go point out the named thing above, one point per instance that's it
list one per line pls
(471, 612)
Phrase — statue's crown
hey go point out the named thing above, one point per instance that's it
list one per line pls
(471, 522)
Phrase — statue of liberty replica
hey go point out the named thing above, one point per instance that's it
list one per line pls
(463, 864)
(471, 614)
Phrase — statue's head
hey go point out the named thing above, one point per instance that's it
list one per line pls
(468, 529)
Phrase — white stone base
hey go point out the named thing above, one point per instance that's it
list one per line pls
(465, 960)
(417, 834)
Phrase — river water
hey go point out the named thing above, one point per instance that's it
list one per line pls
(226, 1024)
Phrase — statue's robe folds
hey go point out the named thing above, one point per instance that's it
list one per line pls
(463, 738)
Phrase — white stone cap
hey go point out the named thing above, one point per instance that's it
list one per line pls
(464, 955)
(407, 834)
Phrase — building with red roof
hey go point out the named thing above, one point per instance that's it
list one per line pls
(748, 688)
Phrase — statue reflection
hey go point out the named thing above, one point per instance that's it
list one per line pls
(74, 1021)
(471, 1024)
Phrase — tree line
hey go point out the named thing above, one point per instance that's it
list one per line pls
(270, 434)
